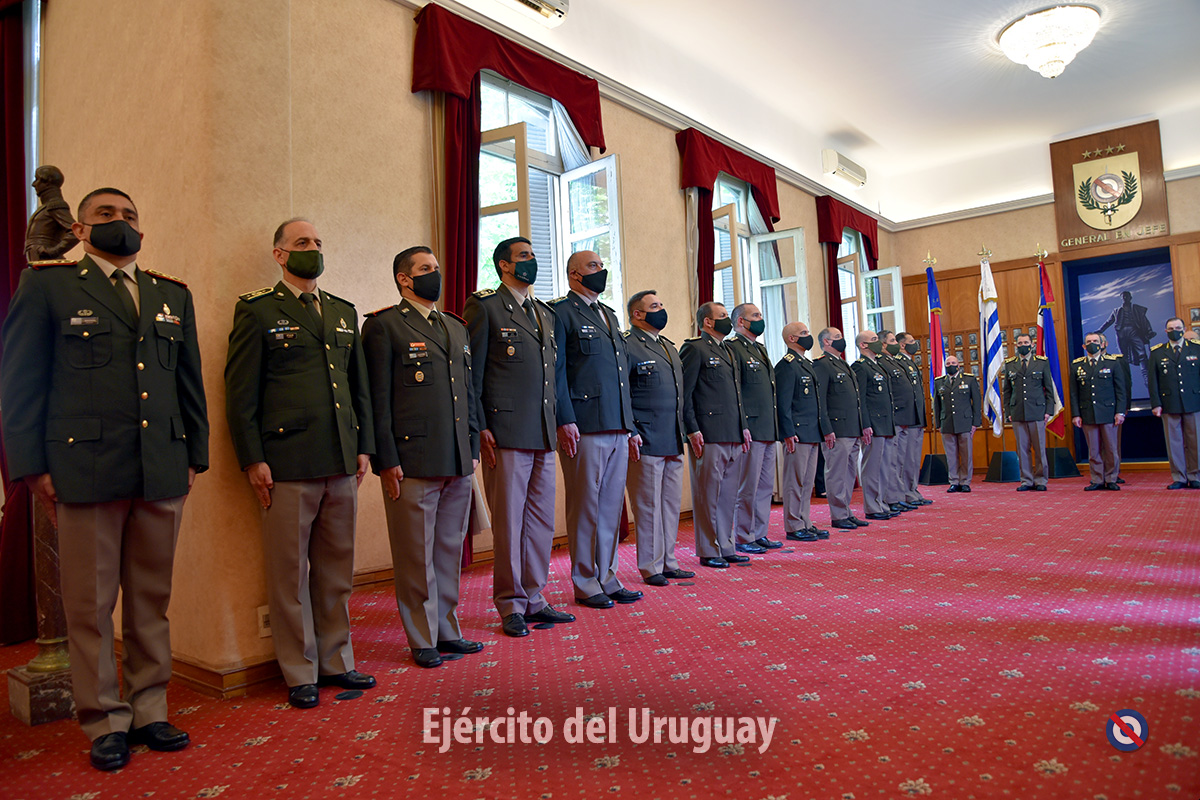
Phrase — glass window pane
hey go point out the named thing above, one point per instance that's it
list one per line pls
(497, 178)
(539, 127)
(721, 250)
(847, 283)
(493, 102)
(723, 286)
(493, 229)
(774, 307)
(589, 202)
(850, 328)
(541, 231)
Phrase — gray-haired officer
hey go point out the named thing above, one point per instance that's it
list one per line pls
(843, 423)
(904, 414)
(1028, 400)
(756, 478)
(958, 413)
(716, 429)
(1098, 395)
(800, 429)
(1175, 397)
(875, 395)
(1124, 364)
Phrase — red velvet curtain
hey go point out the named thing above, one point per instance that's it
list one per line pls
(18, 618)
(702, 158)
(460, 259)
(833, 217)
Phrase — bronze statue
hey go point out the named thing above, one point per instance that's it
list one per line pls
(49, 233)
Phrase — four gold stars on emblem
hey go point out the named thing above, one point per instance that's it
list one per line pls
(1107, 151)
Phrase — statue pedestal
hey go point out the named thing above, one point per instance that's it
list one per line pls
(37, 697)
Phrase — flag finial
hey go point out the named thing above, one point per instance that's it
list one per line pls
(984, 252)
(929, 259)
(1040, 252)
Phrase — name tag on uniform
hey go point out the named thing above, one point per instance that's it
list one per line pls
(287, 332)
(587, 331)
(84, 320)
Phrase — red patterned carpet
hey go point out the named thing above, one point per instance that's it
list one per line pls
(971, 649)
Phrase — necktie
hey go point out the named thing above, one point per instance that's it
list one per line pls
(600, 313)
(439, 327)
(310, 302)
(529, 312)
(666, 349)
(125, 296)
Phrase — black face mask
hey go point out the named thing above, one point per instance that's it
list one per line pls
(951, 369)
(757, 326)
(1092, 348)
(723, 326)
(525, 271)
(1023, 349)
(875, 347)
(116, 238)
(1174, 336)
(893, 349)
(595, 282)
(427, 286)
(657, 319)
(839, 345)
(911, 348)
(306, 264)
(805, 341)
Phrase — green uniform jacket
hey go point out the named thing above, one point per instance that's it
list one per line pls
(296, 397)
(758, 387)
(957, 403)
(841, 412)
(111, 407)
(875, 395)
(1098, 393)
(1175, 377)
(1028, 392)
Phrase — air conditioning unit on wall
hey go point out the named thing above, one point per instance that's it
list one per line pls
(834, 163)
(550, 13)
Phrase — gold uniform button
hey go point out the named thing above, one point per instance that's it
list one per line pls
(281, 430)
(70, 440)
(86, 334)
(285, 345)
(331, 366)
(141, 365)
(337, 405)
(145, 395)
(145, 423)
(326, 347)
(335, 386)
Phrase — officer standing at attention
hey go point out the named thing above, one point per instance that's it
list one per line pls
(1098, 395)
(426, 450)
(911, 437)
(843, 423)
(756, 477)
(512, 365)
(1175, 397)
(800, 430)
(1124, 364)
(656, 452)
(716, 429)
(1028, 400)
(904, 414)
(876, 398)
(595, 424)
(958, 412)
(299, 411)
(105, 420)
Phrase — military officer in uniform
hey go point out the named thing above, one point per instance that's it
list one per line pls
(105, 420)
(958, 413)
(800, 431)
(1028, 400)
(595, 423)
(715, 422)
(1098, 395)
(1124, 364)
(299, 410)
(426, 450)
(512, 364)
(904, 415)
(911, 438)
(844, 425)
(656, 451)
(756, 477)
(1175, 397)
(875, 395)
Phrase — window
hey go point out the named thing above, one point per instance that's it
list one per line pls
(872, 299)
(537, 180)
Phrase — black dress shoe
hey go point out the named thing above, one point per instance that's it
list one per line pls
(658, 579)
(110, 751)
(548, 614)
(625, 596)
(820, 533)
(1091, 487)
(1194, 484)
(678, 574)
(844, 524)
(896, 508)
(954, 488)
(967, 489)
(1112, 487)
(751, 548)
(1120, 480)
(736, 559)
(1039, 488)
(162, 737)
(304, 696)
(427, 657)
(768, 544)
(714, 563)
(1025, 487)
(858, 521)
(802, 536)
(347, 680)
(922, 502)
(463, 647)
(595, 601)
(880, 516)
(1177, 485)
(514, 625)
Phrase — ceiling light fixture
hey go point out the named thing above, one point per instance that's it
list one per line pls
(1047, 40)
(550, 13)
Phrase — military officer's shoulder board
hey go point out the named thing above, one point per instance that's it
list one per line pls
(1038, 358)
(693, 339)
(557, 300)
(1159, 346)
(1106, 355)
(257, 293)
(53, 262)
(1114, 355)
(332, 296)
(626, 334)
(665, 339)
(170, 278)
(1010, 360)
(378, 311)
(1081, 358)
(484, 293)
(789, 357)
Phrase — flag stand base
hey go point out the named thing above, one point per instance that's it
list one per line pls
(1062, 463)
(934, 471)
(1004, 468)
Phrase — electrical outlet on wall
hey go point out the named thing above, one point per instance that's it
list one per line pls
(264, 622)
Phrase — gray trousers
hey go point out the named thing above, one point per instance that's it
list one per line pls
(130, 545)
(911, 446)
(958, 457)
(799, 475)
(1032, 436)
(308, 542)
(1182, 432)
(756, 483)
(595, 486)
(875, 473)
(426, 527)
(655, 487)
(520, 493)
(714, 494)
(1103, 465)
(894, 487)
(841, 467)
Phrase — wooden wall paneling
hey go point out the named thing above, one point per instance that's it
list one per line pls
(1185, 266)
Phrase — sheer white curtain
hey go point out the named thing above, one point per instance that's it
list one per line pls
(692, 195)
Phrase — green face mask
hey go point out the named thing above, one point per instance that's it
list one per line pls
(757, 326)
(893, 349)
(306, 264)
